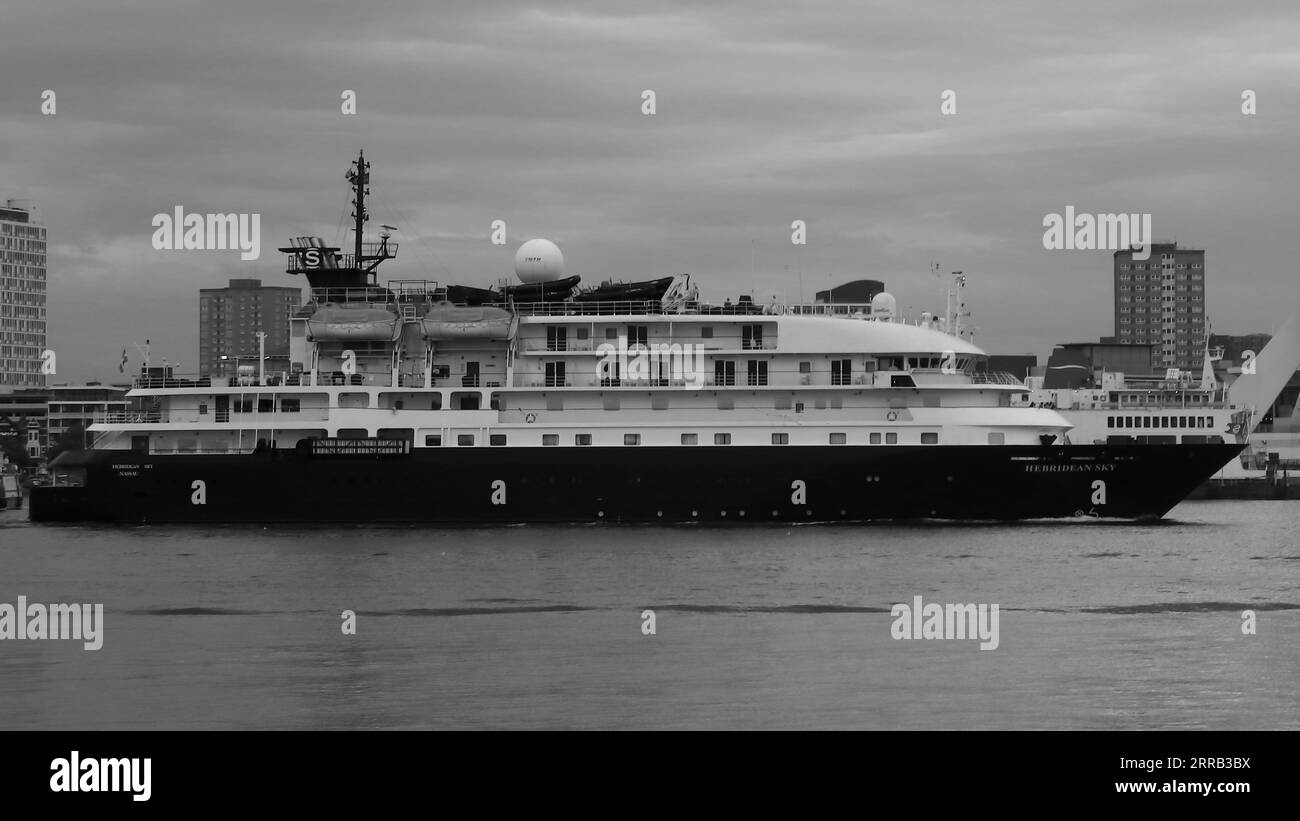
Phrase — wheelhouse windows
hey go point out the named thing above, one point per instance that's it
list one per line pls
(724, 372)
(751, 337)
(557, 338)
(757, 372)
(555, 374)
(841, 371)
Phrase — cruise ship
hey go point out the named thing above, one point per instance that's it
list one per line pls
(415, 402)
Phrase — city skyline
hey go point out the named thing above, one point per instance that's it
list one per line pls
(534, 117)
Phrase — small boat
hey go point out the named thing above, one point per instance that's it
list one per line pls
(556, 290)
(334, 321)
(650, 290)
(469, 295)
(447, 321)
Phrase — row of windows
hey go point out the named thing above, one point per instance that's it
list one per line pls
(1159, 421)
(1142, 266)
(434, 440)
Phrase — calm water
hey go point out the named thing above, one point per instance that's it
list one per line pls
(1102, 626)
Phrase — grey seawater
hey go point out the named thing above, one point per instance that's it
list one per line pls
(1102, 626)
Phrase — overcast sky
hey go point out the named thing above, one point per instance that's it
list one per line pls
(767, 112)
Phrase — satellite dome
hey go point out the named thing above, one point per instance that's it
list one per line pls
(883, 306)
(539, 260)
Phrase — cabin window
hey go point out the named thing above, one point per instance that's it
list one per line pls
(875, 439)
(638, 335)
(1110, 423)
(1182, 421)
(581, 333)
(1209, 421)
(242, 406)
(203, 409)
(286, 406)
(631, 438)
(798, 407)
(582, 438)
(496, 439)
(353, 433)
(929, 438)
(757, 372)
(611, 333)
(557, 338)
(869, 366)
(780, 438)
(751, 337)
(724, 372)
(397, 433)
(891, 438)
(465, 439)
(840, 438)
(555, 374)
(435, 403)
(722, 438)
(841, 371)
(997, 438)
(690, 438)
(550, 440)
(433, 440)
(265, 405)
(805, 367)
(706, 332)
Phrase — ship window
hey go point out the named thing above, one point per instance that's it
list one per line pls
(465, 439)
(757, 372)
(637, 335)
(550, 439)
(690, 438)
(582, 438)
(1110, 422)
(557, 338)
(997, 438)
(841, 371)
(706, 332)
(891, 438)
(555, 373)
(724, 372)
(203, 408)
(496, 439)
(1146, 421)
(1182, 421)
(839, 438)
(798, 407)
(875, 439)
(722, 438)
(242, 406)
(581, 333)
(780, 438)
(433, 440)
(751, 337)
(631, 438)
(1209, 421)
(805, 367)
(436, 402)
(464, 401)
(929, 438)
(286, 406)
(353, 433)
(611, 333)
(397, 433)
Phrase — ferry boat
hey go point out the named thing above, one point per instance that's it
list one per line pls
(402, 406)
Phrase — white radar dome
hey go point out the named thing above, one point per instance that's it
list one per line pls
(883, 306)
(539, 260)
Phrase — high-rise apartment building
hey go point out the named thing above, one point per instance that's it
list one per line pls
(230, 318)
(1161, 301)
(22, 298)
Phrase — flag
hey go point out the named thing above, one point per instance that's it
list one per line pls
(121, 368)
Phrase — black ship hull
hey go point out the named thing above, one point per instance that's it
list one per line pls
(485, 485)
